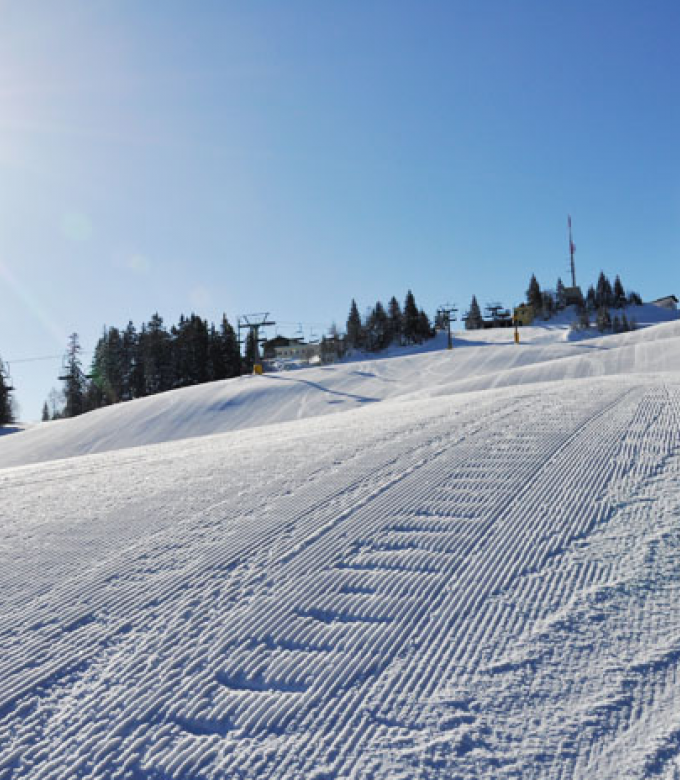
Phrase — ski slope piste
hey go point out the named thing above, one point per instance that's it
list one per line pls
(435, 564)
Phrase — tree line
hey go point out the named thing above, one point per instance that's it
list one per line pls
(382, 326)
(129, 363)
(597, 302)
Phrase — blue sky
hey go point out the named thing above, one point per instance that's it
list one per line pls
(288, 156)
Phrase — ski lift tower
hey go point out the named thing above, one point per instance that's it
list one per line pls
(6, 377)
(447, 313)
(252, 323)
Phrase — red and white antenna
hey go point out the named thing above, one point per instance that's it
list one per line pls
(572, 250)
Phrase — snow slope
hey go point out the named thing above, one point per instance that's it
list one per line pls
(479, 360)
(460, 585)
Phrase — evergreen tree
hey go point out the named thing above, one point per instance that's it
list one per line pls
(534, 295)
(604, 296)
(6, 405)
(396, 320)
(75, 382)
(616, 324)
(560, 296)
(107, 370)
(251, 352)
(591, 302)
(355, 335)
(625, 325)
(411, 319)
(634, 299)
(94, 397)
(157, 357)
(377, 331)
(190, 350)
(45, 413)
(547, 304)
(604, 320)
(583, 319)
(138, 376)
(473, 318)
(131, 364)
(230, 348)
(216, 364)
(619, 293)
(425, 331)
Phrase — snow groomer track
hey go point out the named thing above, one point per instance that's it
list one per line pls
(478, 586)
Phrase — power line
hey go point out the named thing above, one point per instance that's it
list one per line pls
(44, 357)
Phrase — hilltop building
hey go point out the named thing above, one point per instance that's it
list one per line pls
(524, 314)
(667, 302)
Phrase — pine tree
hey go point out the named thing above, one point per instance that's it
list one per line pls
(547, 304)
(411, 319)
(604, 320)
(107, 370)
(604, 297)
(230, 348)
(583, 319)
(634, 299)
(355, 335)
(560, 295)
(425, 331)
(619, 293)
(6, 405)
(616, 324)
(157, 357)
(377, 332)
(189, 351)
(75, 382)
(138, 376)
(534, 295)
(396, 320)
(625, 325)
(590, 299)
(473, 318)
(251, 352)
(45, 413)
(132, 373)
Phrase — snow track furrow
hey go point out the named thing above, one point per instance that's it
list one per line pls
(488, 589)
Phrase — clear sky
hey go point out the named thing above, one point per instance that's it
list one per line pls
(288, 156)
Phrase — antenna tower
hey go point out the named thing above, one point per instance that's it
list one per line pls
(572, 250)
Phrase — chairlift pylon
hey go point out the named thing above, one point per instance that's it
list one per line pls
(7, 377)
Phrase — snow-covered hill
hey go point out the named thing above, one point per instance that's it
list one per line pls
(475, 577)
(480, 360)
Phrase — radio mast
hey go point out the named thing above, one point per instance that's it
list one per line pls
(572, 250)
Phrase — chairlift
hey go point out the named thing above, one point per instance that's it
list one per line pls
(66, 373)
